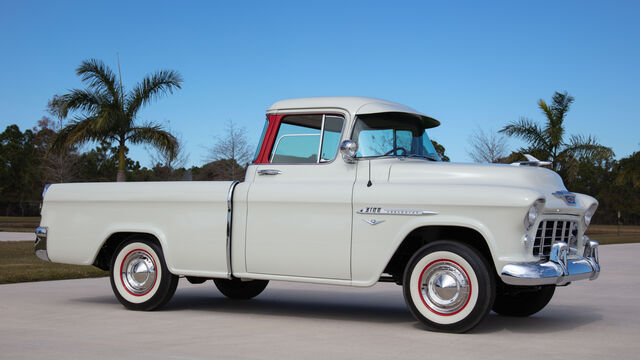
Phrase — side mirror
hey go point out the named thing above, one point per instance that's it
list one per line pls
(348, 149)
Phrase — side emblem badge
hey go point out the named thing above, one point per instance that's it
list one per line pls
(373, 221)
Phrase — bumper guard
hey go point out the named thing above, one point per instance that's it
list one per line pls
(40, 245)
(558, 270)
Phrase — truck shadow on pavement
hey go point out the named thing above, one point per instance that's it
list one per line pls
(382, 307)
(377, 308)
(554, 318)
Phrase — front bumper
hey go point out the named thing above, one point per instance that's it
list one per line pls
(40, 246)
(558, 270)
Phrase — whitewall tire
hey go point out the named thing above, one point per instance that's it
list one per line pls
(139, 275)
(448, 286)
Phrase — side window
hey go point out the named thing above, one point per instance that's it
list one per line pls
(331, 137)
(302, 137)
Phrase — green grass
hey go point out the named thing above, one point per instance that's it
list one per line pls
(19, 224)
(19, 264)
(609, 234)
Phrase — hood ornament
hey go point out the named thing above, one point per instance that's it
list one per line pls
(531, 161)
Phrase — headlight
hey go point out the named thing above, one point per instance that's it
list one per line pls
(533, 213)
(586, 218)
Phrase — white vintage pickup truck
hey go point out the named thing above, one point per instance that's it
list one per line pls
(343, 191)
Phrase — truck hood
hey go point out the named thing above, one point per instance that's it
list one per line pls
(541, 179)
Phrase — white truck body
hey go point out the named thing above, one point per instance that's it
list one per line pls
(334, 221)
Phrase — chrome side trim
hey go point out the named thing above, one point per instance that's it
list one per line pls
(558, 270)
(40, 245)
(229, 219)
(371, 210)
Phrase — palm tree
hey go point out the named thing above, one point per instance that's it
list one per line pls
(547, 142)
(109, 114)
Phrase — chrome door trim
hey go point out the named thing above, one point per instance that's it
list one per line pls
(229, 219)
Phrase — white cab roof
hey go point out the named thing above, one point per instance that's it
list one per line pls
(353, 104)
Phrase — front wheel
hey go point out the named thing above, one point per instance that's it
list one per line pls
(448, 287)
(522, 301)
(139, 275)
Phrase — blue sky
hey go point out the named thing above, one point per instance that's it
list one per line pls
(468, 64)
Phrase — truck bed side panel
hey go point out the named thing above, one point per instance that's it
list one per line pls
(188, 218)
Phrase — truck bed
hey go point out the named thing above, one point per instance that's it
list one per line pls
(188, 218)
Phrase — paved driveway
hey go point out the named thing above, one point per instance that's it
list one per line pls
(82, 319)
(17, 236)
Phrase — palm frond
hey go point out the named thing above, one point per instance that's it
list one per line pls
(100, 77)
(587, 148)
(529, 131)
(156, 136)
(78, 132)
(559, 108)
(151, 87)
(83, 100)
(546, 110)
(567, 165)
(561, 104)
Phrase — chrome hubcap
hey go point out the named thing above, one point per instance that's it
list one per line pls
(138, 272)
(445, 287)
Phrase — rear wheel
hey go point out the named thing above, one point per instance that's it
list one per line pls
(238, 289)
(448, 287)
(522, 301)
(139, 275)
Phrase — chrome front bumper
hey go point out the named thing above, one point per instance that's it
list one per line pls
(558, 270)
(40, 246)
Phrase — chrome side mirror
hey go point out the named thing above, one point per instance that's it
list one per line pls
(348, 149)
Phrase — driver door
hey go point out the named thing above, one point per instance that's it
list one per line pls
(299, 205)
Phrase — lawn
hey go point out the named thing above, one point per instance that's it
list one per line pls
(19, 224)
(611, 234)
(19, 264)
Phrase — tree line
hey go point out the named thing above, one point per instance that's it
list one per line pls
(585, 165)
(105, 115)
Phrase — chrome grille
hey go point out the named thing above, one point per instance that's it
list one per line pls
(553, 230)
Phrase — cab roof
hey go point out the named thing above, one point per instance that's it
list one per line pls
(355, 105)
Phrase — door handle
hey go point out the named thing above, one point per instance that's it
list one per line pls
(269, 172)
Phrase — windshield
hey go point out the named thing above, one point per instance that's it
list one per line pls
(392, 134)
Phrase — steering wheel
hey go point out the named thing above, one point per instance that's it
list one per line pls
(397, 148)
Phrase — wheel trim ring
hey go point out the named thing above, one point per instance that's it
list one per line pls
(124, 274)
(467, 278)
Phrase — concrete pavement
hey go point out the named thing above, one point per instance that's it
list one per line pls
(17, 236)
(82, 319)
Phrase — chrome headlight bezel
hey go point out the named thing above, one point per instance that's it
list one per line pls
(532, 215)
(588, 215)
